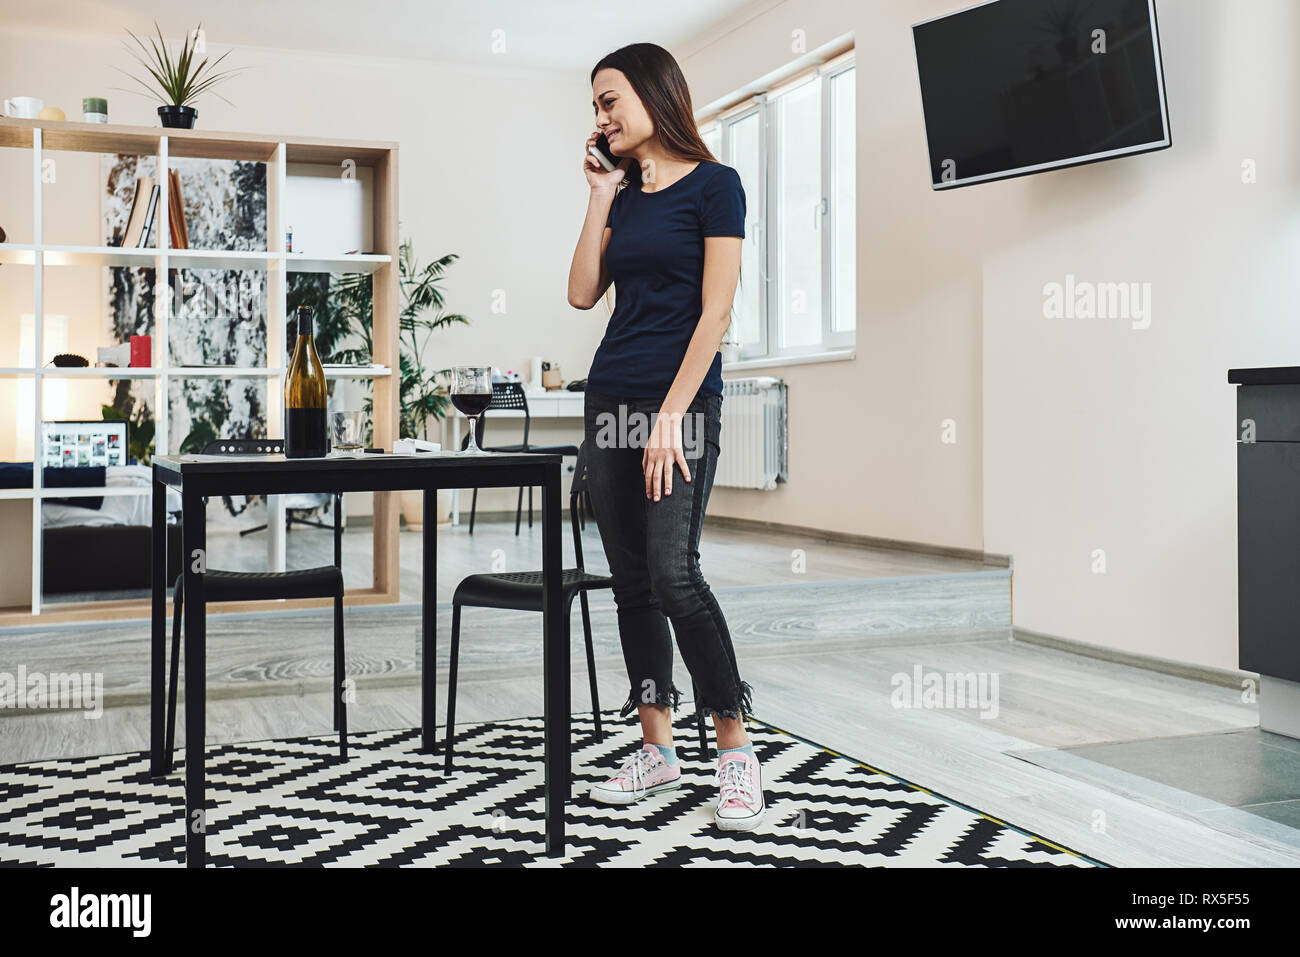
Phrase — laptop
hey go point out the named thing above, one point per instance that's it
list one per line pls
(78, 444)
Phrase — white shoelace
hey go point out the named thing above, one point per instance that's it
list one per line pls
(634, 771)
(735, 782)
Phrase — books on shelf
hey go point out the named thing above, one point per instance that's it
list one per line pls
(146, 196)
(149, 215)
(144, 210)
(179, 231)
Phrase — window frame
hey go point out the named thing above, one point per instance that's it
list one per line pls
(831, 339)
(760, 230)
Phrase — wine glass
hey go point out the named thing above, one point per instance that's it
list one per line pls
(471, 393)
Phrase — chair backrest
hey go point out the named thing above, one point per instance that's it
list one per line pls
(579, 472)
(260, 447)
(576, 491)
(244, 447)
(509, 395)
(276, 447)
(505, 395)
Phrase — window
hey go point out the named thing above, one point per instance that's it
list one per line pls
(794, 147)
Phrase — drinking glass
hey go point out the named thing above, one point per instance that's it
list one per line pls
(347, 430)
(471, 393)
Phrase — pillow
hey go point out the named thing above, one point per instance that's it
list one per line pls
(15, 474)
(76, 477)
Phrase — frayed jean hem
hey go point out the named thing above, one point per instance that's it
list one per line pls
(740, 708)
(672, 698)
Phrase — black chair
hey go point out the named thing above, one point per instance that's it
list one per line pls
(510, 395)
(522, 591)
(296, 505)
(325, 581)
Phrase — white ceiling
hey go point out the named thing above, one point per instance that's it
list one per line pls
(538, 34)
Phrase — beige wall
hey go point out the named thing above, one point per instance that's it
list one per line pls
(1094, 435)
(1102, 436)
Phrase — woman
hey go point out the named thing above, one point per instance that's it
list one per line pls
(666, 226)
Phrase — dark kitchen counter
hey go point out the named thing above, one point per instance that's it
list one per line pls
(1275, 375)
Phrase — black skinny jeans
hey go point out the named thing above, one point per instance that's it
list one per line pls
(653, 553)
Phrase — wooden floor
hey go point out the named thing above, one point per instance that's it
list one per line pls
(1091, 754)
(733, 557)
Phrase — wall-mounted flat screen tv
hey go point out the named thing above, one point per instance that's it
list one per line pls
(1011, 87)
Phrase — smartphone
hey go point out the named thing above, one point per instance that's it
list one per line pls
(600, 150)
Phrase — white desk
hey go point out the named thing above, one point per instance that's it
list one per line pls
(542, 404)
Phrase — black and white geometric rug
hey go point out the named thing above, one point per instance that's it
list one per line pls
(290, 802)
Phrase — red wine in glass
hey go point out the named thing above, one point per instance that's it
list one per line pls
(471, 393)
(471, 404)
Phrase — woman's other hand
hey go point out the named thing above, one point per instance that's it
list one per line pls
(663, 448)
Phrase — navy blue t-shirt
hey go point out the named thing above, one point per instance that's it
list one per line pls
(656, 260)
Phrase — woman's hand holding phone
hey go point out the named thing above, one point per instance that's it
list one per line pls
(597, 176)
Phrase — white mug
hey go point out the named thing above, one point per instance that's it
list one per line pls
(24, 107)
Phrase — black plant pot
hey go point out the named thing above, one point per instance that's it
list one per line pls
(178, 117)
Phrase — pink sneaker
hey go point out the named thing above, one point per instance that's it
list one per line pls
(646, 773)
(740, 793)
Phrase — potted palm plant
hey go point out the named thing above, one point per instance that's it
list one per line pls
(177, 80)
(424, 394)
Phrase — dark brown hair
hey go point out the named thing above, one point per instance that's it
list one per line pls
(658, 82)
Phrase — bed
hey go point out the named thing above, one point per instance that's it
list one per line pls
(85, 549)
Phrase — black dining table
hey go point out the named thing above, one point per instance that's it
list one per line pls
(198, 476)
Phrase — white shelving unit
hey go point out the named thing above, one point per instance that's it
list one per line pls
(41, 137)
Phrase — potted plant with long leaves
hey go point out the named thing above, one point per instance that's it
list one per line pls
(179, 79)
(344, 309)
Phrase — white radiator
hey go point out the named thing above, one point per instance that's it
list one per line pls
(753, 439)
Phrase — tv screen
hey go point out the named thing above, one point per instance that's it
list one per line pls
(1011, 87)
